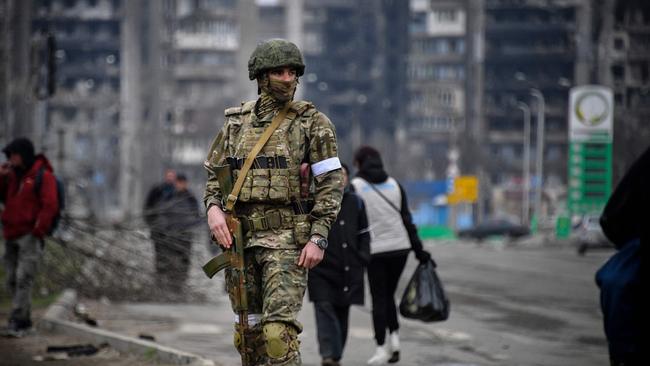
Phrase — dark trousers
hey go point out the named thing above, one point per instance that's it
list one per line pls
(383, 275)
(331, 328)
(172, 254)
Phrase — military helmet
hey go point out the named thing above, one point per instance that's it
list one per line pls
(275, 53)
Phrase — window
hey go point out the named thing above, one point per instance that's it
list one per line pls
(446, 16)
(418, 23)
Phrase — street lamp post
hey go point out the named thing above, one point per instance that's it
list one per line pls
(526, 164)
(540, 150)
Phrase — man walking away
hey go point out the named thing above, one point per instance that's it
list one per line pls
(26, 219)
(184, 217)
(157, 215)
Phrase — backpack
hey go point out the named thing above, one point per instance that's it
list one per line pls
(60, 194)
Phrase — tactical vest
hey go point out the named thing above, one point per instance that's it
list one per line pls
(274, 177)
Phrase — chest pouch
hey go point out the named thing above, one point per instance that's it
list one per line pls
(279, 189)
(260, 182)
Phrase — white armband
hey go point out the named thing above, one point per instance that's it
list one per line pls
(325, 166)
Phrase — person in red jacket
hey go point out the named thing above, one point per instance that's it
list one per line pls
(26, 219)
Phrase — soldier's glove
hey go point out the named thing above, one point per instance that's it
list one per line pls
(423, 257)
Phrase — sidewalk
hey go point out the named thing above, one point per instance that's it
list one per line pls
(23, 351)
(206, 330)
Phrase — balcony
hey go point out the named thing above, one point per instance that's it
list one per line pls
(88, 43)
(206, 41)
(507, 83)
(89, 70)
(507, 54)
(203, 72)
(523, 29)
(67, 98)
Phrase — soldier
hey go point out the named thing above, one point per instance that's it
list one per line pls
(285, 225)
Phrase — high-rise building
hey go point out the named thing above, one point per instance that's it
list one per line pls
(81, 124)
(356, 56)
(437, 85)
(623, 35)
(530, 48)
(202, 80)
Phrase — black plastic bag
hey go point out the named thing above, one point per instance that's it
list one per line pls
(424, 297)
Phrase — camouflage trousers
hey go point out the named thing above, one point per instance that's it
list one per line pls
(275, 286)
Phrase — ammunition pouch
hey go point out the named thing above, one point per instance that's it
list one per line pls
(271, 179)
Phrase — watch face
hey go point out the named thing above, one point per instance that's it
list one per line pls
(322, 243)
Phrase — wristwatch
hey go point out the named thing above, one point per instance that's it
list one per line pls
(319, 241)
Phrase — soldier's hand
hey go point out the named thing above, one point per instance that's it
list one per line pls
(218, 226)
(311, 255)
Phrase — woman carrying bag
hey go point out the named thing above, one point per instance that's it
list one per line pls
(393, 236)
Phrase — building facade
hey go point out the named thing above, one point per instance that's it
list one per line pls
(356, 55)
(530, 49)
(80, 126)
(622, 30)
(437, 81)
(200, 81)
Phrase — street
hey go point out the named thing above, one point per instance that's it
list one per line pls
(511, 305)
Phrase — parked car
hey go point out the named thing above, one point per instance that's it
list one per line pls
(494, 227)
(588, 234)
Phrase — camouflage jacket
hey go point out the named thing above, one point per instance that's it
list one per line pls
(273, 182)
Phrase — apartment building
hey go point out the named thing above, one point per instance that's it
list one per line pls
(623, 34)
(80, 126)
(437, 82)
(200, 81)
(530, 48)
(356, 56)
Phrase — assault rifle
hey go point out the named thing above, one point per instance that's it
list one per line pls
(233, 258)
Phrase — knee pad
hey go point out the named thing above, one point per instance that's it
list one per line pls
(280, 339)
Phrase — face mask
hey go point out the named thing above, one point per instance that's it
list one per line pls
(282, 90)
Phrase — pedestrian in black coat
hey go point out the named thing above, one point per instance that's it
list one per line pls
(175, 255)
(337, 282)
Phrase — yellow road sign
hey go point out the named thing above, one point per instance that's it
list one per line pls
(465, 190)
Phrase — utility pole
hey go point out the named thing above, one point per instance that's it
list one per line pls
(131, 109)
(525, 210)
(293, 13)
(539, 161)
(247, 12)
(43, 81)
(475, 116)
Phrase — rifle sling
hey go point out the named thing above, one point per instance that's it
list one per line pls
(234, 194)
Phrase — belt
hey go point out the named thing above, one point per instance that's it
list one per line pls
(260, 162)
(274, 220)
(270, 221)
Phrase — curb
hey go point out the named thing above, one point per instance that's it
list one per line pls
(53, 321)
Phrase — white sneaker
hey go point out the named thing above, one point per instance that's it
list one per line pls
(380, 357)
(393, 343)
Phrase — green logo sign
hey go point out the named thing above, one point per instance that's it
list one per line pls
(591, 108)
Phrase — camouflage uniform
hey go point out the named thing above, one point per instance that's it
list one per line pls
(277, 218)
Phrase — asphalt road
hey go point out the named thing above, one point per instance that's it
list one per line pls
(511, 305)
